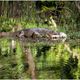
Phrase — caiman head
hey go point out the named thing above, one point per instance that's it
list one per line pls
(59, 36)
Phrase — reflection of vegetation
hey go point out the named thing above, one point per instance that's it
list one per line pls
(70, 68)
(42, 51)
(56, 64)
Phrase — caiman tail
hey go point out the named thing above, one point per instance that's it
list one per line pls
(5, 34)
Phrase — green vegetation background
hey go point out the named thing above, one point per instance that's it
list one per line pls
(53, 63)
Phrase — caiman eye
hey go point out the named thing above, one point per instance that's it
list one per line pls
(16, 35)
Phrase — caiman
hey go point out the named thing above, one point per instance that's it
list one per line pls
(33, 33)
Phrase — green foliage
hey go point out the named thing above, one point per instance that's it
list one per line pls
(8, 63)
(52, 61)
